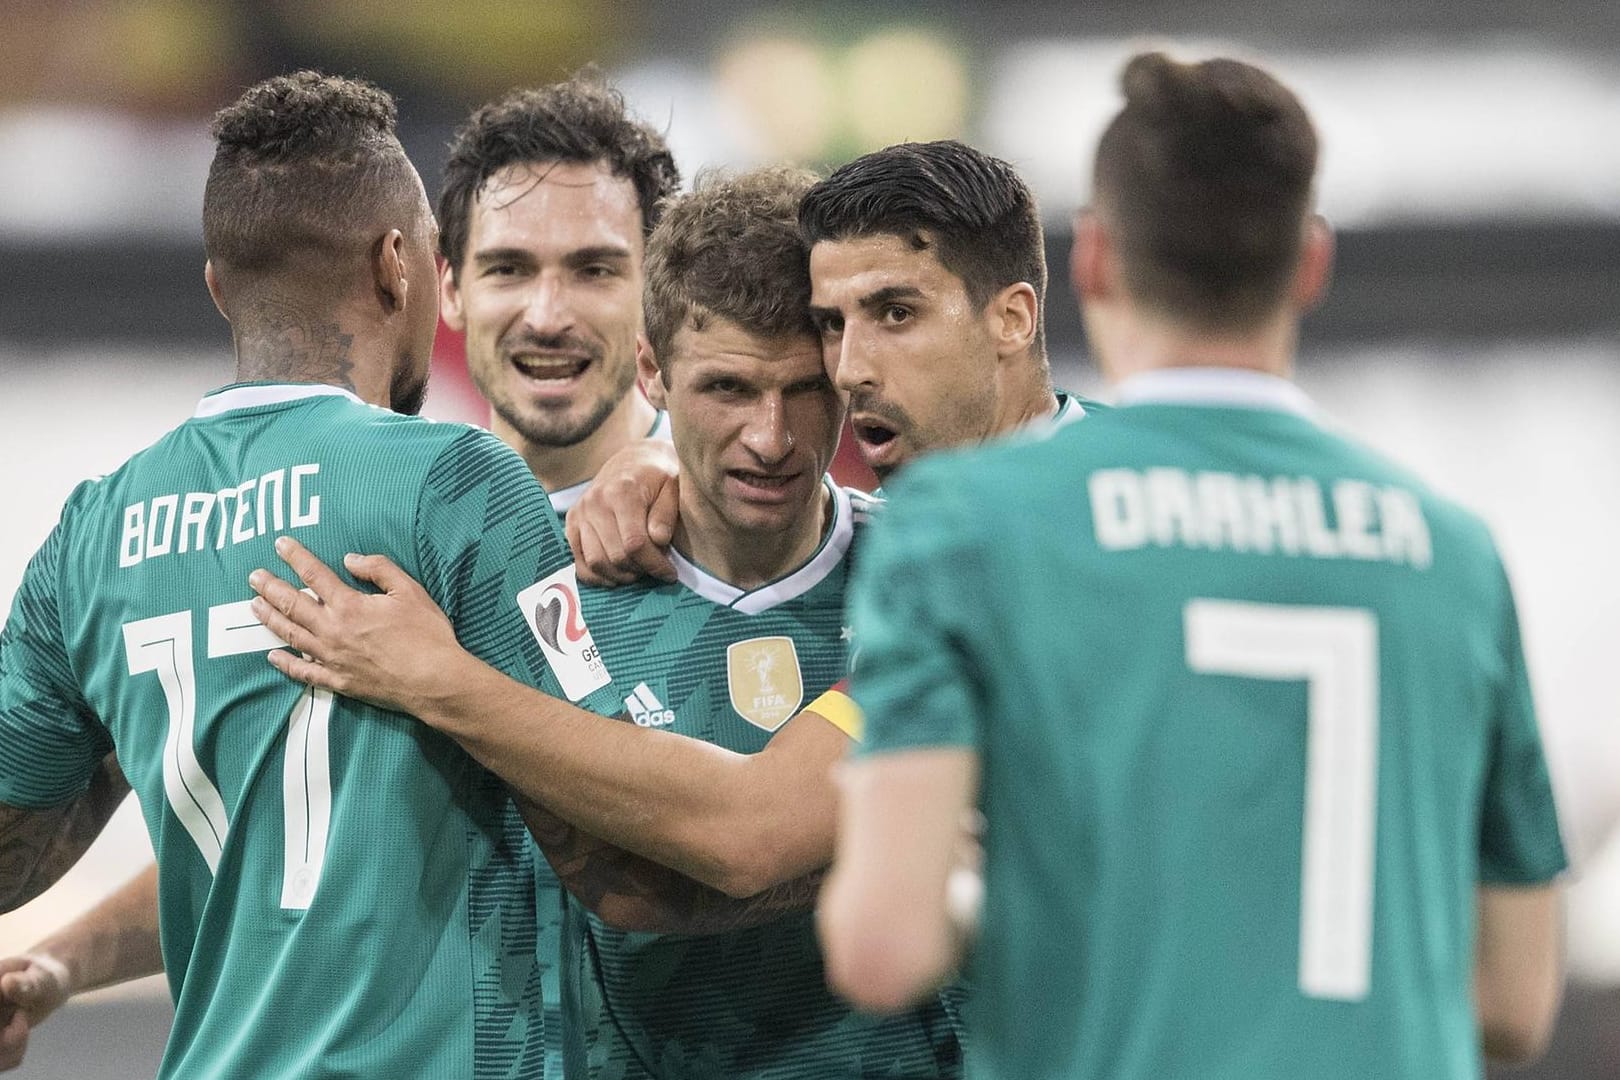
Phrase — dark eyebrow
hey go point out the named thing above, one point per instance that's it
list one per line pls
(889, 294)
(598, 253)
(502, 255)
(817, 314)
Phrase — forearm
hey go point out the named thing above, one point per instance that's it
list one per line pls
(1518, 969)
(884, 917)
(38, 846)
(633, 893)
(114, 942)
(717, 816)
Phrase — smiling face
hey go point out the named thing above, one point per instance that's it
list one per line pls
(755, 421)
(549, 294)
(902, 338)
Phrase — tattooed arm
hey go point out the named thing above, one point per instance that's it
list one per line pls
(38, 846)
(632, 893)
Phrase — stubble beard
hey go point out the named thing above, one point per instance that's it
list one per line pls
(557, 428)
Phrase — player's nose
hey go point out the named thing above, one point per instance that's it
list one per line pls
(852, 365)
(768, 434)
(548, 307)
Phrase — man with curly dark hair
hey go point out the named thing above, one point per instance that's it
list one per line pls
(548, 197)
(342, 891)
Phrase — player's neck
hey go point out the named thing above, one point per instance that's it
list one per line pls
(1146, 344)
(282, 342)
(1030, 399)
(748, 559)
(558, 467)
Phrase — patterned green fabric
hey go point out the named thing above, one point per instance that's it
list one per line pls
(1143, 626)
(708, 661)
(343, 892)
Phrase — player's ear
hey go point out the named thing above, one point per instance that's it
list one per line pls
(1315, 264)
(1015, 318)
(1091, 258)
(212, 280)
(649, 373)
(388, 271)
(450, 309)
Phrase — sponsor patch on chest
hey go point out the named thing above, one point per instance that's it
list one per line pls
(556, 618)
(764, 679)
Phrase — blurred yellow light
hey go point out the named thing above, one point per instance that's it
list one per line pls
(784, 90)
(167, 48)
(905, 85)
(480, 46)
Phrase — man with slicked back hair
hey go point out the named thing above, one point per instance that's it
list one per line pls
(1243, 703)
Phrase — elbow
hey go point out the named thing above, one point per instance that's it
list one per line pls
(875, 968)
(1516, 1026)
(742, 874)
(1515, 1046)
(1516, 1040)
(875, 982)
(744, 862)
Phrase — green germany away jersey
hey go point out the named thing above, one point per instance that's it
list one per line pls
(1253, 722)
(549, 895)
(343, 891)
(703, 659)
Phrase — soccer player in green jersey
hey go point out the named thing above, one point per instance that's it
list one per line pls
(928, 277)
(548, 196)
(724, 819)
(717, 772)
(1243, 703)
(284, 818)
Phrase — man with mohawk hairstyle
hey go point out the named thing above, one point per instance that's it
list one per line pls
(343, 892)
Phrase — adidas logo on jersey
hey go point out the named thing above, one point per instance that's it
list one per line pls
(646, 710)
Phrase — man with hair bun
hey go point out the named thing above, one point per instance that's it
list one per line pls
(1243, 703)
(343, 893)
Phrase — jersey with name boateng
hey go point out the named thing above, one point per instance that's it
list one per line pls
(343, 891)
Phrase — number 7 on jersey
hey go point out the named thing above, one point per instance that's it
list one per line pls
(1335, 651)
(164, 646)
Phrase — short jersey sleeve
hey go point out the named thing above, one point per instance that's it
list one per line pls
(50, 739)
(914, 675)
(485, 531)
(1519, 839)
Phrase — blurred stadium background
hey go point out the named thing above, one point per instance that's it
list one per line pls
(1471, 167)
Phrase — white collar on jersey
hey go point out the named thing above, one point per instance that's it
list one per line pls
(1215, 386)
(1069, 411)
(564, 499)
(245, 397)
(783, 589)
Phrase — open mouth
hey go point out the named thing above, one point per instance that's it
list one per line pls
(763, 483)
(550, 368)
(873, 433)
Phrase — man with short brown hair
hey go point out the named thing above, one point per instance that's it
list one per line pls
(1243, 703)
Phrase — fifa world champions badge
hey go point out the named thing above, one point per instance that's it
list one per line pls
(555, 617)
(764, 679)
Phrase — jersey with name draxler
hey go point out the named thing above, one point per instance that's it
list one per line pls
(1253, 723)
(710, 661)
(343, 891)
